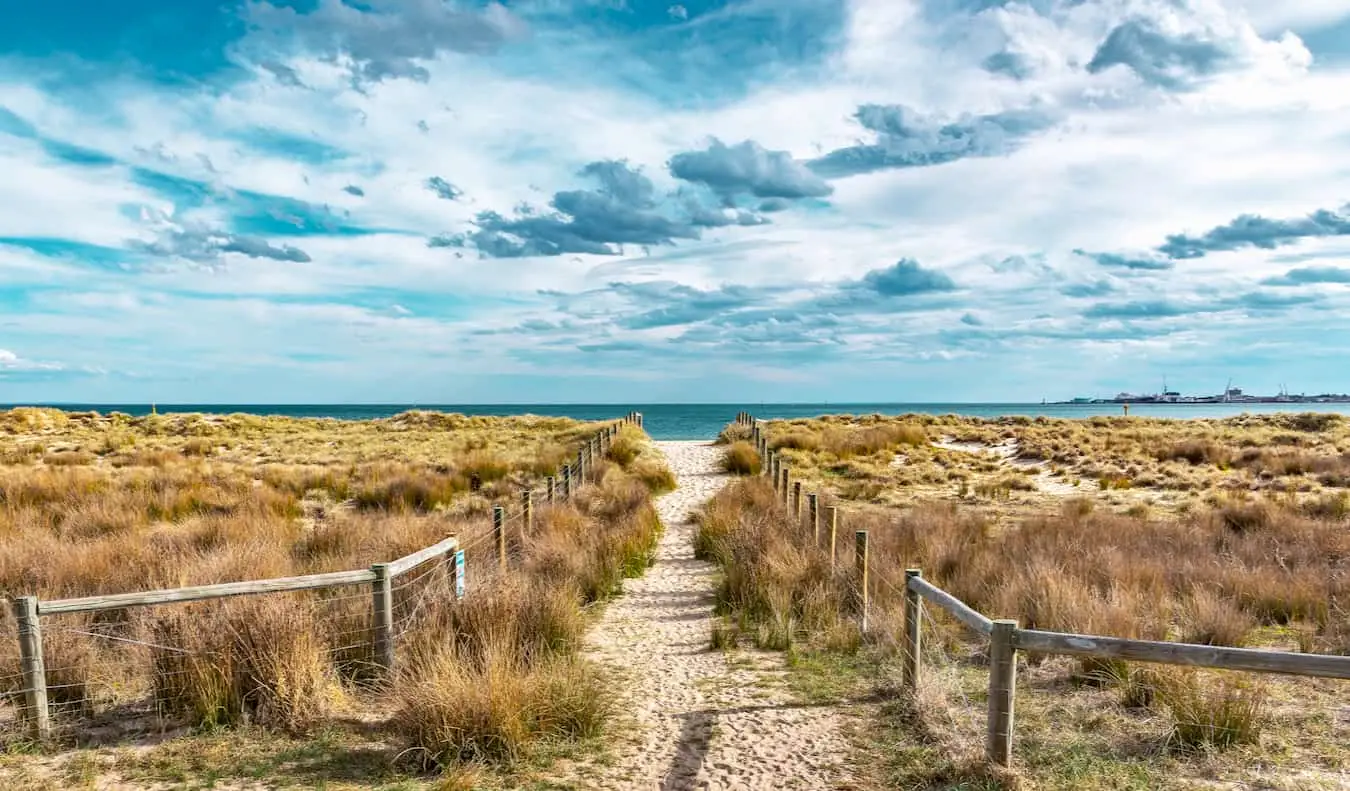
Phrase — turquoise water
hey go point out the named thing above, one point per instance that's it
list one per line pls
(703, 421)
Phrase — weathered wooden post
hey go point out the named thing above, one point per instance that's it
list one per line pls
(581, 466)
(382, 599)
(772, 469)
(33, 666)
(527, 511)
(551, 482)
(567, 482)
(787, 477)
(797, 500)
(499, 532)
(834, 532)
(1002, 690)
(913, 632)
(860, 560)
(813, 515)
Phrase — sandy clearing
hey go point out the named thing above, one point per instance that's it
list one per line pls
(700, 719)
(1007, 454)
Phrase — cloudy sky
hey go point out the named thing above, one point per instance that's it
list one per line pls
(629, 200)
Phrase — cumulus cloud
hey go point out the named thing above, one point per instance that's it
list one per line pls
(908, 139)
(747, 168)
(623, 210)
(1168, 59)
(443, 188)
(387, 39)
(195, 241)
(1008, 63)
(1252, 230)
(1310, 275)
(1116, 261)
(906, 277)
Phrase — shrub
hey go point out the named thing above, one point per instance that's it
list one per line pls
(653, 473)
(234, 663)
(1218, 712)
(741, 458)
(1210, 619)
(455, 711)
(734, 432)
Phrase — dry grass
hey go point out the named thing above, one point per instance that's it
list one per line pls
(172, 501)
(741, 458)
(1168, 464)
(1249, 560)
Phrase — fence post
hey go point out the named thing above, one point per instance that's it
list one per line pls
(860, 560)
(527, 506)
(34, 668)
(913, 632)
(382, 599)
(813, 514)
(581, 465)
(797, 500)
(551, 482)
(772, 469)
(1002, 689)
(499, 532)
(787, 475)
(834, 532)
(567, 482)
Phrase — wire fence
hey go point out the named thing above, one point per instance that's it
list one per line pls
(103, 668)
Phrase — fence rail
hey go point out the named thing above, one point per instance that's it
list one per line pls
(1006, 638)
(382, 577)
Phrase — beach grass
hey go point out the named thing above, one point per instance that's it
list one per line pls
(1225, 532)
(280, 687)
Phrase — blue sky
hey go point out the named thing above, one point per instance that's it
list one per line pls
(620, 200)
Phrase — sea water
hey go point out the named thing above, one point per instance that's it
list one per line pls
(704, 421)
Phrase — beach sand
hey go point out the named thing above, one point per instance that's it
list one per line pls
(699, 718)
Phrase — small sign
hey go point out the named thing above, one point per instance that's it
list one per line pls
(459, 574)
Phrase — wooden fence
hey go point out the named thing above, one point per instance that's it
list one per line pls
(1005, 638)
(29, 611)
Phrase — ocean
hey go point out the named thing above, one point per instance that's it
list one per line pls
(704, 421)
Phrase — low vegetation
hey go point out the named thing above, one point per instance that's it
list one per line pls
(1252, 565)
(1167, 464)
(178, 500)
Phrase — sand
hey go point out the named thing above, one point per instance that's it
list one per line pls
(699, 718)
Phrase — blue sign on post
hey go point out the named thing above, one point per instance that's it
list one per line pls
(459, 574)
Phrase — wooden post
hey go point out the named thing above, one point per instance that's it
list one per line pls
(34, 668)
(1002, 689)
(527, 510)
(860, 561)
(913, 632)
(382, 599)
(581, 466)
(797, 499)
(567, 482)
(787, 474)
(772, 469)
(499, 531)
(813, 514)
(834, 532)
(551, 483)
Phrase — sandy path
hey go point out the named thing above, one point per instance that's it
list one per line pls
(701, 719)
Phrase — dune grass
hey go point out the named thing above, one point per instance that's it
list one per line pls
(1257, 565)
(503, 694)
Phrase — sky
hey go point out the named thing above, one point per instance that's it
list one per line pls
(609, 201)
